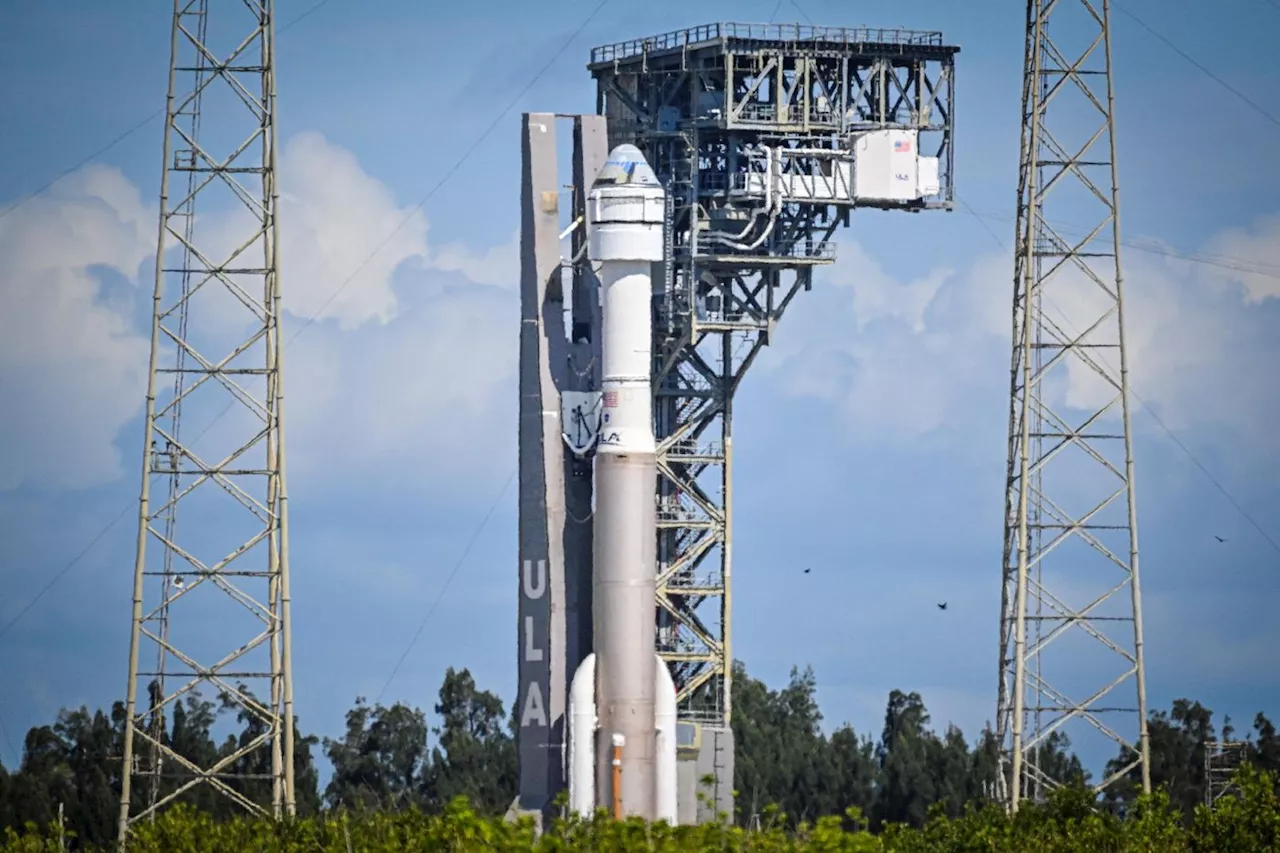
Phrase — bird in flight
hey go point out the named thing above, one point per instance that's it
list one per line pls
(1219, 538)
(942, 606)
(806, 571)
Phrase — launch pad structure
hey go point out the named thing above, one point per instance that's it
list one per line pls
(765, 137)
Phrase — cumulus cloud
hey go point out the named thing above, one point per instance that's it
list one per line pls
(498, 266)
(337, 219)
(72, 364)
(415, 347)
(900, 360)
(896, 360)
(1251, 258)
(432, 394)
(343, 235)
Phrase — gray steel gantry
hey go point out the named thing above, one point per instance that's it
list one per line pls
(738, 119)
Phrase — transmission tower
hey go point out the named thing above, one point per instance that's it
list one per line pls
(1071, 613)
(211, 578)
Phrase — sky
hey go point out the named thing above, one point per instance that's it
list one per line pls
(869, 439)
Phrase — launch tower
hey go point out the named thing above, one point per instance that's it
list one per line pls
(766, 138)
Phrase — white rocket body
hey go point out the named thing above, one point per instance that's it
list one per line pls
(623, 694)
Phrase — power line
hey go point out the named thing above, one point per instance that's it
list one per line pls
(95, 155)
(17, 756)
(68, 567)
(413, 212)
(1258, 268)
(448, 174)
(1150, 411)
(1223, 83)
(466, 155)
(122, 137)
(440, 596)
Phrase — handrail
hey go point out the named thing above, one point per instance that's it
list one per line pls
(792, 33)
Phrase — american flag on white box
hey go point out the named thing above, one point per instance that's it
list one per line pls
(610, 399)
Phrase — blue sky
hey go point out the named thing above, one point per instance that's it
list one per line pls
(869, 441)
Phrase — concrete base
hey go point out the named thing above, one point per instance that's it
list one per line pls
(515, 813)
(704, 775)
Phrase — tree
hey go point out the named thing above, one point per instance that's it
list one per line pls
(909, 777)
(380, 763)
(1178, 741)
(1265, 748)
(908, 782)
(855, 771)
(782, 759)
(476, 752)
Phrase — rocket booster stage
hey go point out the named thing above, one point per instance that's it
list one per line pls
(622, 700)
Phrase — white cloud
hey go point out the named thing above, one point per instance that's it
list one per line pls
(430, 394)
(343, 235)
(900, 361)
(498, 266)
(896, 360)
(72, 366)
(1251, 258)
(334, 217)
(413, 367)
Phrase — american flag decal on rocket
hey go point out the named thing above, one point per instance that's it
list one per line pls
(610, 399)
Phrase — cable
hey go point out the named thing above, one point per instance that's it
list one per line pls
(68, 567)
(1143, 403)
(802, 12)
(78, 557)
(778, 8)
(17, 756)
(95, 155)
(1237, 264)
(1223, 83)
(466, 156)
(122, 137)
(440, 596)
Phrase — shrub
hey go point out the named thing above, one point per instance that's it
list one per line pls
(1069, 823)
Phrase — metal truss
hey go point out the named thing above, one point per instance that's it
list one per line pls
(698, 103)
(237, 592)
(1222, 760)
(1070, 567)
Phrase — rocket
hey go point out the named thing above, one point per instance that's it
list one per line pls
(622, 701)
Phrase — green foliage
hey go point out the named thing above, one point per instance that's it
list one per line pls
(400, 784)
(1070, 822)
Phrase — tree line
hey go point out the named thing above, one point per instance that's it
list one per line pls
(787, 771)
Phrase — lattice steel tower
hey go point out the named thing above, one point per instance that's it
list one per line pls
(1071, 533)
(211, 579)
(766, 137)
